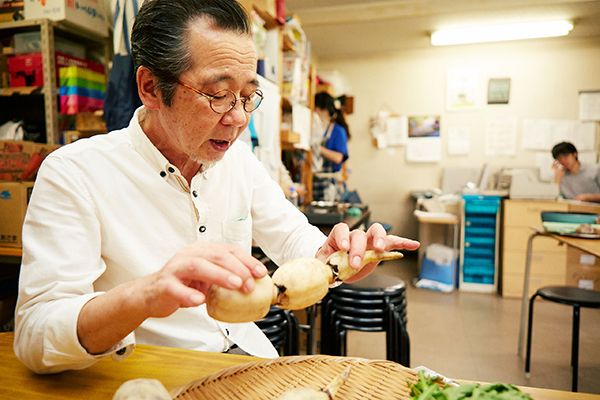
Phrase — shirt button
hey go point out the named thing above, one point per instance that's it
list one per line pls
(171, 169)
(163, 173)
(202, 229)
(194, 193)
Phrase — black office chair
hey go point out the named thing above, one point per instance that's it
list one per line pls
(571, 296)
(374, 304)
(281, 327)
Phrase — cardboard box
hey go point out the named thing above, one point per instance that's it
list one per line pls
(27, 69)
(14, 197)
(583, 269)
(19, 160)
(88, 14)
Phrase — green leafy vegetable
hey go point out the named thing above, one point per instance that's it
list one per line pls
(428, 389)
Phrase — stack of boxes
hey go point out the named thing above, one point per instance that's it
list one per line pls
(19, 162)
(81, 90)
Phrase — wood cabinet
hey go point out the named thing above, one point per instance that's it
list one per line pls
(549, 258)
(548, 264)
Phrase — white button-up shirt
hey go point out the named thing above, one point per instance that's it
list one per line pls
(111, 209)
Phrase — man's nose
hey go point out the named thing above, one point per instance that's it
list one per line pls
(237, 116)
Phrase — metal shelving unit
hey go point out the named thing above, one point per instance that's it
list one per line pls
(47, 29)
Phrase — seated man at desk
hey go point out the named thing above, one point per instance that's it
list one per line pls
(577, 180)
(125, 232)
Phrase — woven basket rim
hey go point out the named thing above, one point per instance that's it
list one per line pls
(286, 361)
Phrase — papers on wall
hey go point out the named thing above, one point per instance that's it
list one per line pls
(459, 140)
(501, 137)
(463, 89)
(423, 149)
(543, 134)
(389, 129)
(302, 124)
(589, 105)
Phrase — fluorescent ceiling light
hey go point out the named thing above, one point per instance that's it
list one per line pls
(498, 33)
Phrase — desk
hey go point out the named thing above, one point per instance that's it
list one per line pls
(591, 246)
(173, 367)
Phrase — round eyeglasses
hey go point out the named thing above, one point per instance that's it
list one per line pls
(224, 100)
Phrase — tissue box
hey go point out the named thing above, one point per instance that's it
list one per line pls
(439, 264)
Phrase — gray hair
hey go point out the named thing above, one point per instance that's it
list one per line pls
(159, 39)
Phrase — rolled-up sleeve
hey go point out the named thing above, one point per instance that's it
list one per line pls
(61, 261)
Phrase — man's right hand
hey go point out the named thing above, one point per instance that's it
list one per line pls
(185, 278)
(182, 282)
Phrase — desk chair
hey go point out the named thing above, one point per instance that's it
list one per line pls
(571, 296)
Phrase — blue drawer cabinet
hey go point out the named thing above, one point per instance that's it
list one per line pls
(478, 271)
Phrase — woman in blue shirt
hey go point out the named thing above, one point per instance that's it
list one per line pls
(334, 143)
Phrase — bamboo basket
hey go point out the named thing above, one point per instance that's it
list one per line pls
(267, 380)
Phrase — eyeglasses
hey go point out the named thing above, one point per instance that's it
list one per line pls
(224, 100)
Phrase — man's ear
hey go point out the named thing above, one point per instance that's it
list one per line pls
(147, 88)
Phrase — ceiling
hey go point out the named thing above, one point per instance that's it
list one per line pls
(354, 28)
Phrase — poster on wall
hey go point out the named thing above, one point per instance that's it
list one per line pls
(463, 88)
(498, 91)
(589, 105)
(424, 126)
(389, 129)
(459, 140)
(424, 142)
(501, 137)
(543, 134)
(424, 149)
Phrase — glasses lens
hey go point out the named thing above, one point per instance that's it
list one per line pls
(252, 102)
(223, 101)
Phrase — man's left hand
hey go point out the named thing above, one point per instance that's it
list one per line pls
(358, 241)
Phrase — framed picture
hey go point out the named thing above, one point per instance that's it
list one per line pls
(498, 91)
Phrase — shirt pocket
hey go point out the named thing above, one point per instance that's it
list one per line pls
(238, 232)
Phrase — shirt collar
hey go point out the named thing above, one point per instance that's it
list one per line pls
(149, 152)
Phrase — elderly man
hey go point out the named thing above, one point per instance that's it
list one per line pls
(125, 232)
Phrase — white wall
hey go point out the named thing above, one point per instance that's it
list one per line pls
(546, 76)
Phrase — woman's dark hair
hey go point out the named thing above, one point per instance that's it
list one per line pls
(325, 101)
(159, 39)
(563, 148)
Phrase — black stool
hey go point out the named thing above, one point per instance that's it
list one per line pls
(571, 296)
(281, 327)
(374, 304)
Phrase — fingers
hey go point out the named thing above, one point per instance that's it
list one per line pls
(399, 243)
(358, 246)
(230, 258)
(376, 237)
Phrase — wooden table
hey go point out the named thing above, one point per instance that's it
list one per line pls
(591, 246)
(173, 367)
(10, 255)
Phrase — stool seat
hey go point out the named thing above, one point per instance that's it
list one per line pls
(374, 304)
(571, 295)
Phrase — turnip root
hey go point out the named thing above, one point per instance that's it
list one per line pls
(142, 389)
(229, 305)
(295, 285)
(327, 393)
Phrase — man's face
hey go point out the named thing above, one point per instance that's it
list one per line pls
(568, 161)
(221, 60)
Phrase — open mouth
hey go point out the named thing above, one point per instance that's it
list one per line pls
(220, 145)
